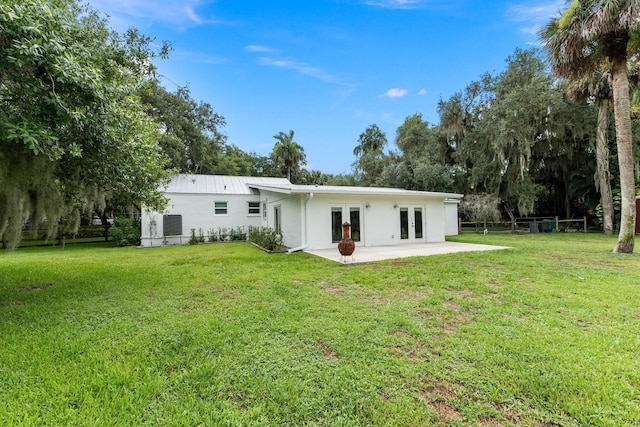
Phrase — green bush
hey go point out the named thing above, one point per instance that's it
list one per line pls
(194, 240)
(265, 237)
(125, 232)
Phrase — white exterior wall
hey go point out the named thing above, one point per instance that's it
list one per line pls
(198, 212)
(291, 212)
(435, 221)
(305, 211)
(380, 222)
(451, 217)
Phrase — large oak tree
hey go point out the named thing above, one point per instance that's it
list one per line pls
(72, 129)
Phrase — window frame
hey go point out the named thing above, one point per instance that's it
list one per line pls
(277, 219)
(216, 208)
(336, 228)
(255, 208)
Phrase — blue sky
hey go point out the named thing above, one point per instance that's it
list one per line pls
(328, 69)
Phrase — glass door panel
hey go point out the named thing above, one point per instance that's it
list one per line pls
(354, 220)
(417, 217)
(404, 223)
(336, 224)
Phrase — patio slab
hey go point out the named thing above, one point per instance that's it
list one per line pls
(380, 253)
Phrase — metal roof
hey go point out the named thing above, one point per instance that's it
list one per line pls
(287, 188)
(220, 184)
(224, 184)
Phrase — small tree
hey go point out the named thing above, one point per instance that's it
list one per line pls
(481, 207)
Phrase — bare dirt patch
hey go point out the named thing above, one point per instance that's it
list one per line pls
(326, 350)
(401, 333)
(490, 422)
(439, 390)
(463, 293)
(335, 289)
(452, 305)
(436, 397)
(413, 353)
(445, 412)
(402, 263)
(35, 288)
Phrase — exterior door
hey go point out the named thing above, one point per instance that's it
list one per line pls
(351, 214)
(412, 224)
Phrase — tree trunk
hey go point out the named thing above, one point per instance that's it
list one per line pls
(602, 161)
(625, 154)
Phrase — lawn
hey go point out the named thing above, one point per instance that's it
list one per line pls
(544, 334)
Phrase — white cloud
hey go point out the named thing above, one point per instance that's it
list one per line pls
(301, 68)
(422, 92)
(192, 15)
(199, 57)
(394, 4)
(137, 13)
(395, 93)
(534, 15)
(257, 48)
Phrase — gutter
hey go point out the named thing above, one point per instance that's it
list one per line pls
(306, 227)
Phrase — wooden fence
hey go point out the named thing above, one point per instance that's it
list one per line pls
(539, 224)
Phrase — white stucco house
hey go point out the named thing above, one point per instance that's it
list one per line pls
(307, 216)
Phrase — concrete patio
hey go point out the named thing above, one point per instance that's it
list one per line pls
(379, 253)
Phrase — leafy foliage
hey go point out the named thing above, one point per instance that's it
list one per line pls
(265, 237)
(588, 36)
(195, 239)
(480, 207)
(370, 156)
(515, 136)
(288, 154)
(125, 232)
(72, 129)
(190, 130)
(426, 156)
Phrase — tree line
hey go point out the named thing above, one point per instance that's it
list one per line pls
(85, 125)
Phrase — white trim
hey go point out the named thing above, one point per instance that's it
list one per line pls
(215, 208)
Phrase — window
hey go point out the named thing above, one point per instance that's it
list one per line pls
(277, 220)
(336, 224)
(220, 208)
(254, 208)
(354, 219)
(264, 211)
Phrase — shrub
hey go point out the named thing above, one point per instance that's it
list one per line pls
(239, 233)
(223, 234)
(265, 237)
(194, 240)
(125, 232)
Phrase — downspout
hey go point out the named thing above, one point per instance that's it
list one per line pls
(306, 227)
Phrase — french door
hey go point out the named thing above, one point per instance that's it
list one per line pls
(349, 213)
(412, 223)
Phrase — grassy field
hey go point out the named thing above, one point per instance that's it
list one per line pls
(544, 334)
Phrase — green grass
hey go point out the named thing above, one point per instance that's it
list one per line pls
(544, 334)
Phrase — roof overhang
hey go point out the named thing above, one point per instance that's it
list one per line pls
(355, 191)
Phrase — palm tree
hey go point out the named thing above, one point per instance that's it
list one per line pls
(289, 152)
(584, 36)
(370, 155)
(598, 87)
